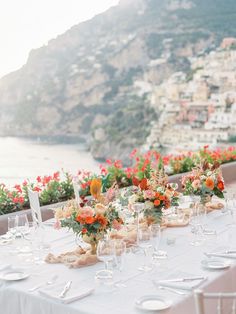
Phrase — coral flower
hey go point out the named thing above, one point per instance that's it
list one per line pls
(96, 187)
(143, 184)
(157, 202)
(89, 220)
(210, 183)
(221, 185)
(102, 220)
(162, 197)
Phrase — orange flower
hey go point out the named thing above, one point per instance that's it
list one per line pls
(143, 184)
(157, 195)
(157, 202)
(210, 183)
(221, 185)
(96, 187)
(102, 220)
(79, 219)
(162, 197)
(89, 220)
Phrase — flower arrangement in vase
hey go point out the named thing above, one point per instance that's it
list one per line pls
(205, 180)
(91, 219)
(156, 194)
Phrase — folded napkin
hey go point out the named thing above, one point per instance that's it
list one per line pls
(76, 292)
(185, 284)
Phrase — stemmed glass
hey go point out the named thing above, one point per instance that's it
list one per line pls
(156, 239)
(196, 221)
(22, 225)
(145, 244)
(105, 253)
(12, 226)
(119, 259)
(138, 208)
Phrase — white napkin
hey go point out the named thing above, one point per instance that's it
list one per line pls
(76, 292)
(184, 285)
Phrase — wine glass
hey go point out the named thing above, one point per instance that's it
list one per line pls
(105, 253)
(119, 259)
(12, 226)
(196, 221)
(156, 239)
(138, 208)
(22, 225)
(145, 244)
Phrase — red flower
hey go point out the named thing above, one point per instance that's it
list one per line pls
(143, 184)
(84, 230)
(15, 200)
(56, 176)
(221, 185)
(21, 200)
(38, 179)
(135, 181)
(18, 188)
(37, 189)
(109, 162)
(24, 183)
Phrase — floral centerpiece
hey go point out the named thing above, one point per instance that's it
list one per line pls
(204, 180)
(91, 219)
(156, 194)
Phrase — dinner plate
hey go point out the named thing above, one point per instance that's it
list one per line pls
(13, 275)
(153, 303)
(216, 264)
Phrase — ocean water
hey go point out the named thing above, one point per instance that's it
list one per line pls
(26, 159)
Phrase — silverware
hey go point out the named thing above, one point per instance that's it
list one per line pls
(227, 255)
(183, 279)
(172, 290)
(65, 290)
(49, 282)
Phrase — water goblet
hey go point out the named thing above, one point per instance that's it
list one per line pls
(145, 244)
(119, 259)
(105, 253)
(12, 226)
(138, 208)
(22, 225)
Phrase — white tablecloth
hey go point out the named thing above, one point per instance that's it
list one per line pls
(182, 258)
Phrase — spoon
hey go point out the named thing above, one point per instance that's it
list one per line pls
(48, 283)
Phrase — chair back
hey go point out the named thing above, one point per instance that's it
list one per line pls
(35, 207)
(219, 303)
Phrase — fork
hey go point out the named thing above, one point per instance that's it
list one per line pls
(47, 283)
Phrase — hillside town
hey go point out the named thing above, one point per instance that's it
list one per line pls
(199, 107)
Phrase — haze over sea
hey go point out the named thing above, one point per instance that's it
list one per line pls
(26, 159)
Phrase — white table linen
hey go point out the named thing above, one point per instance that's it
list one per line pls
(182, 259)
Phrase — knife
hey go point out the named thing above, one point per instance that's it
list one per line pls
(227, 255)
(65, 290)
(183, 279)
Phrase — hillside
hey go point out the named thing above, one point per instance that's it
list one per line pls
(94, 82)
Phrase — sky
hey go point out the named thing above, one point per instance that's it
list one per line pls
(29, 24)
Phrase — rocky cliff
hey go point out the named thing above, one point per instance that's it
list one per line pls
(94, 81)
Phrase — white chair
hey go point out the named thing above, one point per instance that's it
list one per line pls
(35, 207)
(76, 188)
(218, 303)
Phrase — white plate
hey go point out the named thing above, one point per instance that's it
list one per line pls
(153, 303)
(215, 264)
(13, 275)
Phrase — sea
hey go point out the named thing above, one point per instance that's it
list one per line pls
(22, 159)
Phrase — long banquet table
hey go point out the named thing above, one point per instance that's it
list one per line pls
(183, 259)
